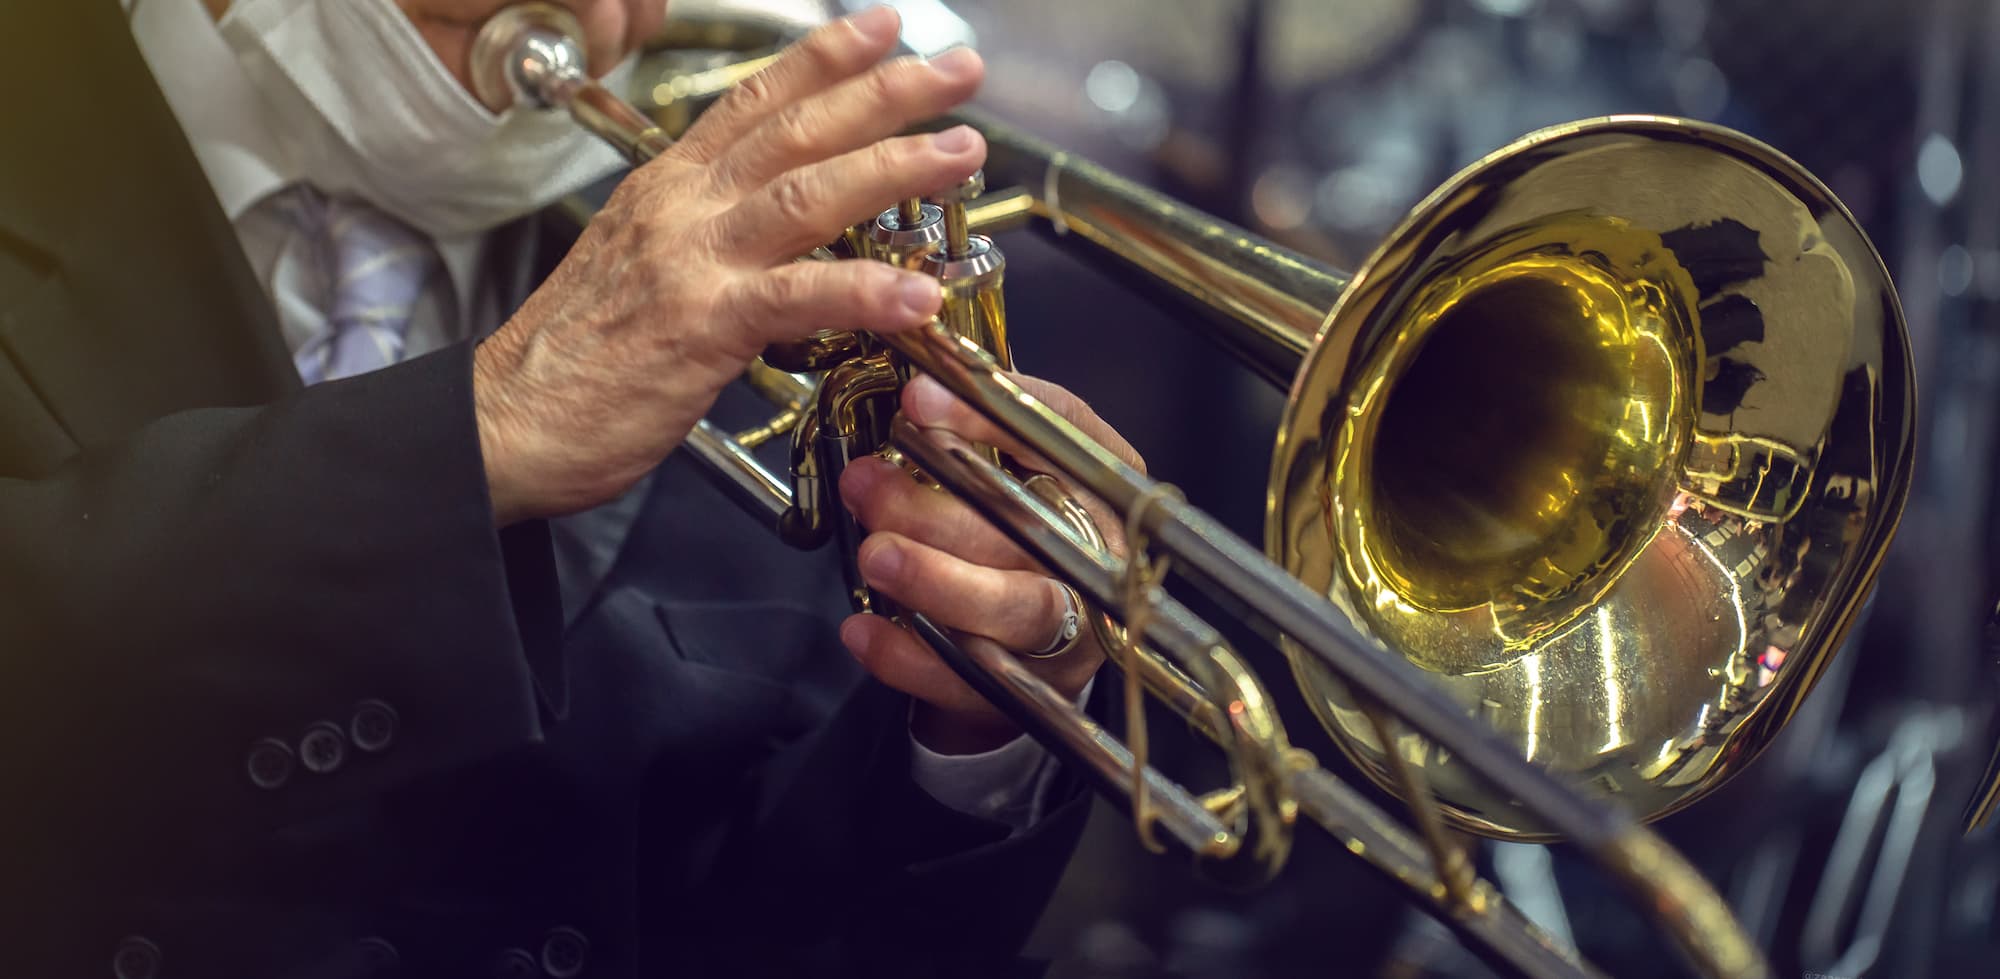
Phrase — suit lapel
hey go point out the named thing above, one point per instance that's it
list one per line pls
(123, 293)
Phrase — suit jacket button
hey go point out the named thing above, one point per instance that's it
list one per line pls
(135, 958)
(270, 763)
(379, 959)
(323, 748)
(564, 952)
(514, 963)
(373, 726)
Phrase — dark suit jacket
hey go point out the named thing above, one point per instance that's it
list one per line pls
(276, 699)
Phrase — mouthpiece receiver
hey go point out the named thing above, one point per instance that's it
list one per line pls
(525, 55)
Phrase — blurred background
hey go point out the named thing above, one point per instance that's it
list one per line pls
(1318, 123)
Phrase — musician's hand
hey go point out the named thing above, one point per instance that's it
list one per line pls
(688, 272)
(932, 554)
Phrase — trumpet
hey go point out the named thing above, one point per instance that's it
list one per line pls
(1585, 602)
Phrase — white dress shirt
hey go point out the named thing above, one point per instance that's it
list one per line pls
(226, 122)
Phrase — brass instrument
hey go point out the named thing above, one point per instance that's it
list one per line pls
(1606, 586)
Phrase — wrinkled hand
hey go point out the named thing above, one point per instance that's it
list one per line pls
(934, 555)
(688, 272)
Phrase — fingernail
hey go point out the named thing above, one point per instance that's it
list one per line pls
(877, 24)
(927, 401)
(921, 294)
(881, 562)
(955, 140)
(956, 64)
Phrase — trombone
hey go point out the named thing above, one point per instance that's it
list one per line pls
(1601, 594)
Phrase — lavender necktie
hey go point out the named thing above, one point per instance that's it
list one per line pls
(377, 266)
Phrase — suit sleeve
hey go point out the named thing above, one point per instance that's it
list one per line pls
(245, 617)
(873, 876)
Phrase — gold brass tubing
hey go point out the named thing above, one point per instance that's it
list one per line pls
(957, 232)
(739, 474)
(1718, 946)
(779, 387)
(1448, 860)
(857, 243)
(781, 423)
(1250, 734)
(975, 307)
(1001, 210)
(818, 352)
(792, 396)
(847, 391)
(613, 119)
(805, 524)
(1370, 833)
(1269, 300)
(1099, 752)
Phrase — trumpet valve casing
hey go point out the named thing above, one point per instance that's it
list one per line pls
(904, 239)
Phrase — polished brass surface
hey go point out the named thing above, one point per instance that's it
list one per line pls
(779, 387)
(1001, 210)
(856, 400)
(1606, 384)
(792, 396)
(957, 234)
(1264, 302)
(974, 305)
(527, 54)
(1609, 437)
(972, 271)
(806, 522)
(903, 235)
(820, 352)
(851, 390)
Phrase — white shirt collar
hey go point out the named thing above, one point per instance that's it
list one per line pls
(220, 111)
(225, 119)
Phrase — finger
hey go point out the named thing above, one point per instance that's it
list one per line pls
(837, 51)
(859, 111)
(1021, 610)
(814, 204)
(797, 298)
(929, 405)
(884, 498)
(902, 662)
(643, 19)
(607, 33)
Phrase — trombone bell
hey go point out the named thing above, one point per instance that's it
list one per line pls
(1609, 437)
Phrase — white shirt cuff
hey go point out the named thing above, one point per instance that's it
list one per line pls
(1008, 784)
